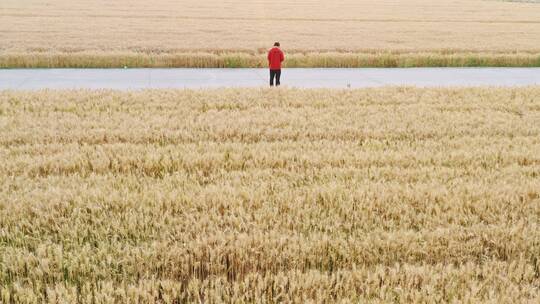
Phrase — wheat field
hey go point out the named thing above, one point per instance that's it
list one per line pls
(60, 33)
(270, 196)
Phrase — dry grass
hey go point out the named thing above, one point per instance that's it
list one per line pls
(152, 30)
(393, 195)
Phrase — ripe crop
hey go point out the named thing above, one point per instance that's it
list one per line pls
(236, 33)
(255, 195)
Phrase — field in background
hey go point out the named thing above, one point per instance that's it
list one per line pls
(400, 194)
(167, 33)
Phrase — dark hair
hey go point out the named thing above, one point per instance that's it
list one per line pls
(276, 44)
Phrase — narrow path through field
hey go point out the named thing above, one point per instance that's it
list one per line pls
(305, 78)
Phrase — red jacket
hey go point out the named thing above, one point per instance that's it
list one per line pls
(275, 58)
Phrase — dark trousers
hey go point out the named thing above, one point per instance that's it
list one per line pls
(275, 74)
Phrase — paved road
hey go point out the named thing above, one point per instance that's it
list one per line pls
(306, 78)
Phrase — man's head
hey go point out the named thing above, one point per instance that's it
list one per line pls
(277, 44)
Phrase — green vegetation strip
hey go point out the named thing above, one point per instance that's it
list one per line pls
(257, 60)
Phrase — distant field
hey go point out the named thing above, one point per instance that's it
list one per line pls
(250, 196)
(235, 33)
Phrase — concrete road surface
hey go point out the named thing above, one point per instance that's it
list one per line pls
(303, 78)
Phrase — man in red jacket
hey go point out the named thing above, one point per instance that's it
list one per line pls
(275, 58)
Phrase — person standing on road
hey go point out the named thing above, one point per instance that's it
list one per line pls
(275, 58)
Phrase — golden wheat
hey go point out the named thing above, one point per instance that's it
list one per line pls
(269, 196)
(100, 33)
